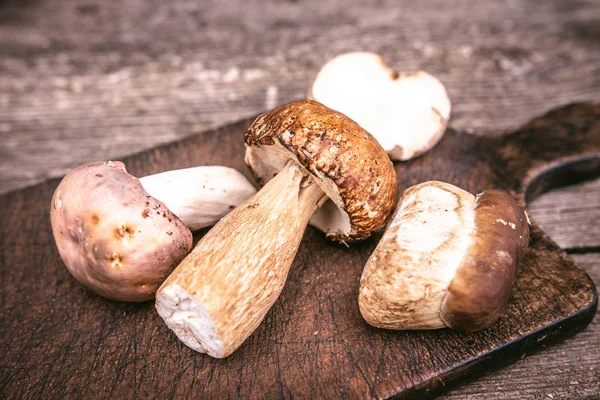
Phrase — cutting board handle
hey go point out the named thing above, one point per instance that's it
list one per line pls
(560, 147)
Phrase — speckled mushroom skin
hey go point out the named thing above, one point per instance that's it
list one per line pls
(480, 289)
(447, 258)
(330, 145)
(113, 237)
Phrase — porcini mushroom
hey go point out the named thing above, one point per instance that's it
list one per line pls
(121, 241)
(447, 259)
(305, 153)
(199, 196)
(406, 113)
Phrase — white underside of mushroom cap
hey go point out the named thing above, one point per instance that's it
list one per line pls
(189, 320)
(330, 217)
(406, 113)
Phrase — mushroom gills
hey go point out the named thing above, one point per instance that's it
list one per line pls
(330, 217)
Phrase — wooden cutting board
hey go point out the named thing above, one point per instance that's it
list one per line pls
(61, 341)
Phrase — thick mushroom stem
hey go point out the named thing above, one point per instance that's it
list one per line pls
(223, 289)
(199, 196)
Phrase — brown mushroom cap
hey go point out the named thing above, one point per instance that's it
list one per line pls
(344, 159)
(447, 258)
(112, 235)
(479, 291)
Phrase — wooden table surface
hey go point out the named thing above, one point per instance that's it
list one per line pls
(93, 80)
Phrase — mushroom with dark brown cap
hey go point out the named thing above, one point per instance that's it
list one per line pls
(447, 259)
(119, 240)
(305, 153)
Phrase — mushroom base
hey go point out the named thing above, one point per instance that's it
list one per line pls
(189, 320)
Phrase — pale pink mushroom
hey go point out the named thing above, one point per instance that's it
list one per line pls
(120, 241)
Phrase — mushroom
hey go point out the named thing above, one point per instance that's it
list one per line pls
(407, 113)
(119, 240)
(305, 153)
(199, 196)
(447, 259)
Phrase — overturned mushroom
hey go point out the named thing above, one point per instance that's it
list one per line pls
(305, 153)
(406, 113)
(119, 240)
(447, 259)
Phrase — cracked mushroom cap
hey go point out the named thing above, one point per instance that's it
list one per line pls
(114, 237)
(343, 159)
(447, 259)
(407, 113)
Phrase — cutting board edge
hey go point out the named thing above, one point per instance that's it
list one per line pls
(507, 354)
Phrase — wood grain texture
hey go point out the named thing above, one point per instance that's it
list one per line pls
(313, 342)
(93, 80)
(571, 216)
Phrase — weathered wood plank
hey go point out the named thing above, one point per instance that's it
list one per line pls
(98, 80)
(571, 215)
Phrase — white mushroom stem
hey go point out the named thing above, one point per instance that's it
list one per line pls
(222, 290)
(199, 196)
